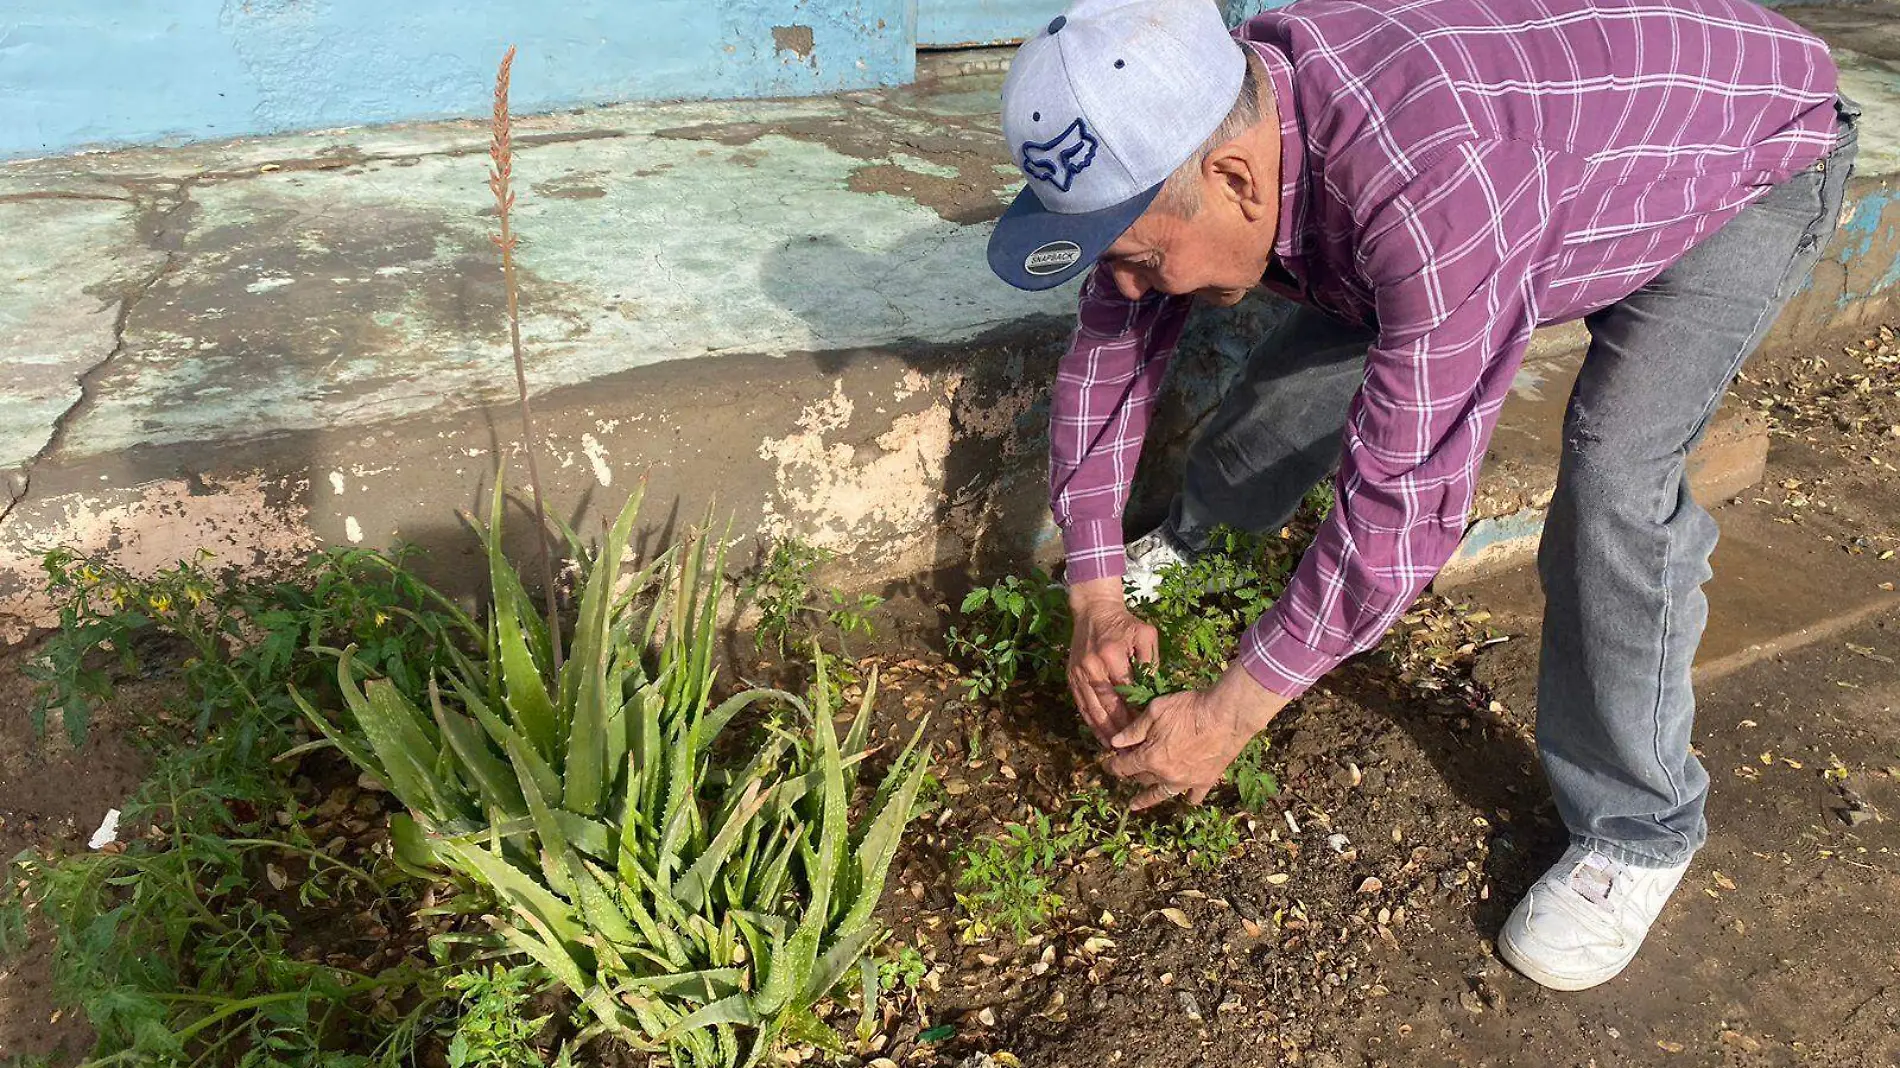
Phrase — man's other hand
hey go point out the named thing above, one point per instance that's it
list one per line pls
(1184, 742)
(1107, 640)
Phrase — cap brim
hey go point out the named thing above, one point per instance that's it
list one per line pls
(1035, 248)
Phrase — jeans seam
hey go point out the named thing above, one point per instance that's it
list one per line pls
(1749, 342)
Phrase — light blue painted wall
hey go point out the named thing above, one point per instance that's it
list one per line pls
(77, 73)
(948, 23)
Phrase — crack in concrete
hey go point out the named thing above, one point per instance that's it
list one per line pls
(350, 157)
(177, 199)
(59, 194)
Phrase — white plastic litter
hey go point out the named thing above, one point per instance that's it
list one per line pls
(108, 831)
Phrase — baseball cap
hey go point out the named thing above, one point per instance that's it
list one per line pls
(1099, 108)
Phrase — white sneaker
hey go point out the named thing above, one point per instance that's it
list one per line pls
(1583, 922)
(1148, 556)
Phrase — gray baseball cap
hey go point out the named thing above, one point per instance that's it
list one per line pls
(1099, 108)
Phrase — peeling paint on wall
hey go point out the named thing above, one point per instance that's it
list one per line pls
(846, 497)
(241, 522)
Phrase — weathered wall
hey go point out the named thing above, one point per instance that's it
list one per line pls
(79, 75)
(141, 71)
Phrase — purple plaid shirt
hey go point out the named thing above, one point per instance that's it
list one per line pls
(1456, 172)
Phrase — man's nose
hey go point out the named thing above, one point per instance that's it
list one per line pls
(1128, 280)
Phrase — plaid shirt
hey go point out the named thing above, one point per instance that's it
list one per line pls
(1455, 172)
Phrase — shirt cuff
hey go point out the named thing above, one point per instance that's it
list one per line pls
(1094, 549)
(1280, 661)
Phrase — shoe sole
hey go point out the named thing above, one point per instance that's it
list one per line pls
(1530, 970)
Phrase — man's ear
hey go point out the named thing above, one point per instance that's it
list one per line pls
(1232, 172)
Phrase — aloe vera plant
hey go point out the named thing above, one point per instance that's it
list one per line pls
(694, 905)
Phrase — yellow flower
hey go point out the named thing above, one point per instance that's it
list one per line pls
(381, 619)
(159, 602)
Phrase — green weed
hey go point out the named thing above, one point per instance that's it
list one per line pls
(167, 946)
(1009, 881)
(1016, 630)
(791, 606)
(904, 970)
(494, 1029)
(245, 644)
(1255, 785)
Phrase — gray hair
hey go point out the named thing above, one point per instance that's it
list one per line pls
(1181, 193)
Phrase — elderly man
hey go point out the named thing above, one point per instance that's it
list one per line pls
(1427, 181)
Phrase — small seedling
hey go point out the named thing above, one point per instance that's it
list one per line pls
(1015, 630)
(789, 602)
(903, 971)
(1252, 781)
(1009, 881)
(495, 1030)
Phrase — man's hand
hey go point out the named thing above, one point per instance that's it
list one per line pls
(1183, 743)
(1107, 639)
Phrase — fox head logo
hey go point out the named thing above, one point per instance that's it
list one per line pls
(1058, 160)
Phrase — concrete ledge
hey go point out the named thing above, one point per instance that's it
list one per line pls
(778, 309)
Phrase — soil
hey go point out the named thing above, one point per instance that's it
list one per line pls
(52, 797)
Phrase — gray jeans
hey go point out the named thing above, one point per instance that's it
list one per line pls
(1625, 549)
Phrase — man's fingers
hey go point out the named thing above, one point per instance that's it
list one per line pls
(1116, 666)
(1125, 763)
(1198, 794)
(1092, 712)
(1137, 732)
(1147, 644)
(1152, 796)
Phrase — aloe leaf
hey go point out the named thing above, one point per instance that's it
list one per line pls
(803, 1027)
(414, 851)
(505, 583)
(857, 738)
(589, 837)
(652, 933)
(838, 960)
(731, 1010)
(499, 789)
(833, 826)
(403, 750)
(587, 750)
(705, 985)
(504, 735)
(602, 915)
(880, 843)
(523, 894)
(553, 843)
(527, 692)
(768, 887)
(691, 890)
(716, 721)
(345, 743)
(547, 951)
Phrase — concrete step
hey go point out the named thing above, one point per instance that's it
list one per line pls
(1795, 567)
(780, 308)
(1507, 516)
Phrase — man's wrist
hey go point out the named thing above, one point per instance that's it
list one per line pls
(1106, 590)
(1253, 705)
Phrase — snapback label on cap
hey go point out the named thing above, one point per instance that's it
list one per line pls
(1052, 258)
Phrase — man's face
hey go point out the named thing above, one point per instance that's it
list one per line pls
(1215, 256)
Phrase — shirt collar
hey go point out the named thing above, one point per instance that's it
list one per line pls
(1289, 239)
